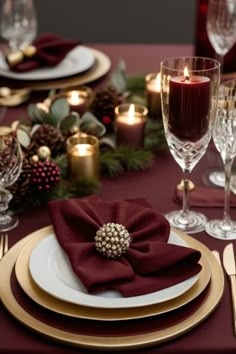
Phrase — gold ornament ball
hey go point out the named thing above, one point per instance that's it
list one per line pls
(74, 130)
(34, 159)
(44, 153)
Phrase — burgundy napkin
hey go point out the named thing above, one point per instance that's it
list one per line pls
(205, 197)
(150, 263)
(51, 50)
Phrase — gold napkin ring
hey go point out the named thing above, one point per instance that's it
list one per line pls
(112, 240)
(17, 57)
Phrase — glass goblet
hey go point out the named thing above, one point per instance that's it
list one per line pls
(221, 30)
(224, 137)
(18, 22)
(189, 92)
(221, 26)
(10, 167)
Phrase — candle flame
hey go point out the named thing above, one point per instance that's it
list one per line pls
(186, 73)
(158, 82)
(74, 98)
(131, 112)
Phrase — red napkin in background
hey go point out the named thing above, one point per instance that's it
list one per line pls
(150, 263)
(51, 50)
(205, 197)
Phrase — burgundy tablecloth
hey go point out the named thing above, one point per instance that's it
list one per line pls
(215, 334)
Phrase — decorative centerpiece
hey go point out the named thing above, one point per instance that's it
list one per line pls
(46, 136)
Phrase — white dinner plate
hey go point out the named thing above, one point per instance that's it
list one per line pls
(51, 270)
(78, 60)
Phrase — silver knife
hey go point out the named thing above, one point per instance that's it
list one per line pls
(230, 268)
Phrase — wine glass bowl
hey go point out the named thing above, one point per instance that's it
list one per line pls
(221, 26)
(224, 137)
(189, 100)
(18, 23)
(10, 167)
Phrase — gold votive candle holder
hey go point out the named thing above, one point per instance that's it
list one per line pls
(83, 156)
(153, 94)
(130, 121)
(78, 98)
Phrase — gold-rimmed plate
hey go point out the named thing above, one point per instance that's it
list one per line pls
(46, 300)
(101, 66)
(112, 342)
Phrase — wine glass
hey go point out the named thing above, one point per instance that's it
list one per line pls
(221, 26)
(224, 137)
(189, 92)
(221, 30)
(10, 167)
(18, 23)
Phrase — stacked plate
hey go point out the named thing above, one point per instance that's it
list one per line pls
(42, 291)
(81, 65)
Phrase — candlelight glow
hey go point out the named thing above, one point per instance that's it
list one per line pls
(83, 149)
(74, 98)
(186, 73)
(131, 112)
(158, 82)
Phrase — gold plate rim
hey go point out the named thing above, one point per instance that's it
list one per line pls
(52, 303)
(115, 343)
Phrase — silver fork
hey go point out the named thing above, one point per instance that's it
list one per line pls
(3, 245)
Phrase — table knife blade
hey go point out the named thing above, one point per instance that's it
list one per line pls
(230, 268)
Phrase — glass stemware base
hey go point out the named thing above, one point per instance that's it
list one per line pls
(8, 222)
(191, 223)
(221, 229)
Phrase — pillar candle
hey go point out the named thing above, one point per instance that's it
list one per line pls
(83, 156)
(130, 124)
(189, 104)
(153, 88)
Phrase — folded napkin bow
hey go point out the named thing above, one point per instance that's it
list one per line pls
(50, 50)
(149, 264)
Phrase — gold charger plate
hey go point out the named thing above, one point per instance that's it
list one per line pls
(100, 68)
(113, 342)
(50, 302)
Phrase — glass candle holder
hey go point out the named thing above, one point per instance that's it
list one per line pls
(130, 124)
(153, 89)
(83, 156)
(79, 98)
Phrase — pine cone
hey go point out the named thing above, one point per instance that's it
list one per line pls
(21, 189)
(104, 103)
(47, 135)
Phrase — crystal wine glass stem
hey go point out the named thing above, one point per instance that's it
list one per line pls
(220, 59)
(185, 207)
(228, 168)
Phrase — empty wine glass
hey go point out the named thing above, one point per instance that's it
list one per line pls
(10, 167)
(189, 92)
(221, 26)
(224, 137)
(18, 22)
(221, 30)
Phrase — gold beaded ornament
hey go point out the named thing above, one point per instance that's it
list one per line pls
(112, 240)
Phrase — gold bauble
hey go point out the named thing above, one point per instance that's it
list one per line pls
(44, 153)
(74, 130)
(34, 159)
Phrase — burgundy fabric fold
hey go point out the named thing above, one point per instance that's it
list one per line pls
(51, 50)
(205, 197)
(150, 263)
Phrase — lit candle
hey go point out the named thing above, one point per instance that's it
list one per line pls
(77, 102)
(153, 88)
(130, 124)
(78, 98)
(83, 156)
(189, 105)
